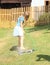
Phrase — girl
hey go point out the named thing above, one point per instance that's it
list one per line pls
(19, 32)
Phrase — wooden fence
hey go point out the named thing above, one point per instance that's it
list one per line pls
(12, 14)
(8, 17)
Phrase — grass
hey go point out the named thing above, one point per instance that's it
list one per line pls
(37, 38)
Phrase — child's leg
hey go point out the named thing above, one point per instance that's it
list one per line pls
(20, 42)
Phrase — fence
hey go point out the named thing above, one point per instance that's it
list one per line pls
(12, 14)
(8, 17)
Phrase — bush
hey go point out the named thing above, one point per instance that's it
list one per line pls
(30, 22)
(44, 19)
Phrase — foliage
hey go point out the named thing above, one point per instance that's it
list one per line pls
(44, 19)
(30, 22)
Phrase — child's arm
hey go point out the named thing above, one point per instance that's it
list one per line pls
(21, 24)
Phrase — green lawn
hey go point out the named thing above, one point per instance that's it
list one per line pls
(37, 38)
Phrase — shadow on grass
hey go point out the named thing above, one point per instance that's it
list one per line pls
(42, 57)
(13, 48)
(37, 28)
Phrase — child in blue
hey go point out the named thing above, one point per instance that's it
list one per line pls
(18, 30)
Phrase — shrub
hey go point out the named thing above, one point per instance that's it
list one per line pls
(29, 22)
(44, 19)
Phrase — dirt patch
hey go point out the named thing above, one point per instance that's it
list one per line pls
(3, 42)
(6, 59)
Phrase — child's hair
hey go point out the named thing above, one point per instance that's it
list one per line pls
(26, 14)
